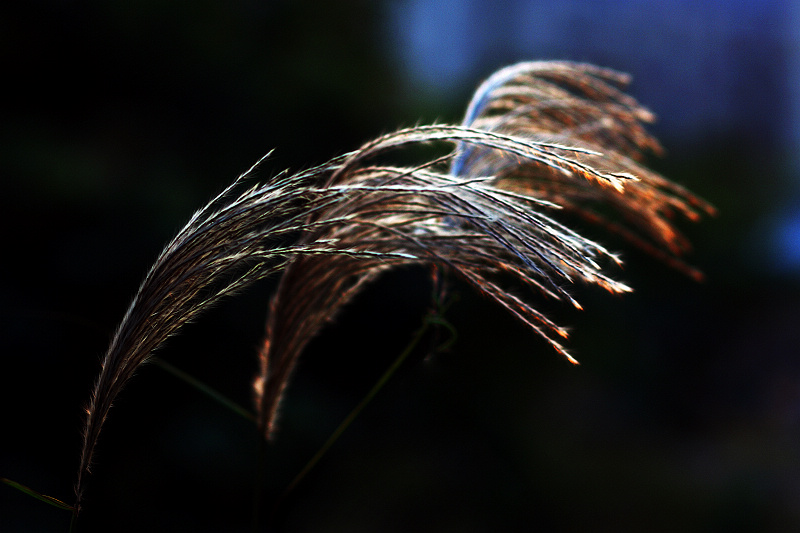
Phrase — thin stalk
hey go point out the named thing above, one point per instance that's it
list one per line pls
(431, 320)
(55, 502)
(205, 389)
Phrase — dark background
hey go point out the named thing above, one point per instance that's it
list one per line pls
(120, 119)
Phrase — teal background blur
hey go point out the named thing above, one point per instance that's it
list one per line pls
(120, 119)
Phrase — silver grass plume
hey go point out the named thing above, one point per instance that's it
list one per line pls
(582, 105)
(247, 232)
(538, 137)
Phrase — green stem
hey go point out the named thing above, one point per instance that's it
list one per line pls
(360, 407)
(38, 495)
(202, 387)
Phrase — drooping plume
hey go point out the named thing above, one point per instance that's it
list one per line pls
(537, 138)
(582, 105)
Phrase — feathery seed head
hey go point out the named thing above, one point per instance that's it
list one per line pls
(537, 138)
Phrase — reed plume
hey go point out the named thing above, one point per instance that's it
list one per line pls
(537, 138)
(583, 105)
